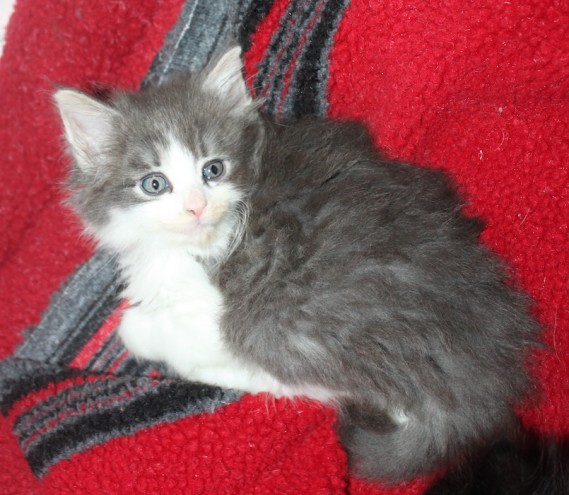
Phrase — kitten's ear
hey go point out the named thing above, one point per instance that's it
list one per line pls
(224, 76)
(88, 125)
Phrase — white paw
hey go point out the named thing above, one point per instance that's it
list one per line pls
(139, 334)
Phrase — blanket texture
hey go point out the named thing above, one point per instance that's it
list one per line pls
(481, 90)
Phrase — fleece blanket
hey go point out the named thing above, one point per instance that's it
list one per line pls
(479, 89)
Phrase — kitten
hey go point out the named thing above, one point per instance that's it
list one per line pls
(294, 259)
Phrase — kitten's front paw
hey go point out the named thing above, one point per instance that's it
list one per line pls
(139, 335)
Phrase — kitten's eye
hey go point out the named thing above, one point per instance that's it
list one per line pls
(154, 184)
(213, 170)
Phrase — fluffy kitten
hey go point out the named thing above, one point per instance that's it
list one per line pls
(293, 259)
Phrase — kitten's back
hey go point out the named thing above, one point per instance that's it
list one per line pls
(364, 277)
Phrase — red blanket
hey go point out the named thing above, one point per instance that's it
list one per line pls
(479, 89)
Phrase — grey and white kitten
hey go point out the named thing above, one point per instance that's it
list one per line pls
(293, 259)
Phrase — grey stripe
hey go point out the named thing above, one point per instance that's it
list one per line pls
(204, 27)
(88, 294)
(177, 38)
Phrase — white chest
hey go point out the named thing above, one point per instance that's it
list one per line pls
(175, 319)
(176, 311)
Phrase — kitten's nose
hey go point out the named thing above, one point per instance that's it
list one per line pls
(195, 203)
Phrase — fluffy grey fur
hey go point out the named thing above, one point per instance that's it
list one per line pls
(364, 276)
(355, 274)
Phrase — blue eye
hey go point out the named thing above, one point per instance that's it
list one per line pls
(154, 184)
(213, 170)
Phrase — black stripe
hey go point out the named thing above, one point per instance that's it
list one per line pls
(251, 15)
(74, 397)
(167, 403)
(14, 390)
(307, 98)
(305, 84)
(279, 42)
(277, 83)
(139, 367)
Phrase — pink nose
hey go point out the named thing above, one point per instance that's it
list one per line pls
(195, 203)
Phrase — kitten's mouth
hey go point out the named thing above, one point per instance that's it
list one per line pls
(196, 231)
(195, 227)
(201, 231)
(192, 227)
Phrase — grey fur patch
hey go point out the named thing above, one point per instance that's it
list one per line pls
(373, 265)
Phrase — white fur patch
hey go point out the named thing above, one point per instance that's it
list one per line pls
(165, 220)
(400, 417)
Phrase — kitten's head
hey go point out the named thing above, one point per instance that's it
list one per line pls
(169, 165)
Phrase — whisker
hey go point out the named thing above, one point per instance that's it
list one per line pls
(241, 213)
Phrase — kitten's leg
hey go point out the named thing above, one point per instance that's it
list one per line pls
(152, 336)
(239, 376)
(139, 335)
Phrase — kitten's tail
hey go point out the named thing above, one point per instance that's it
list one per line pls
(390, 447)
(529, 465)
